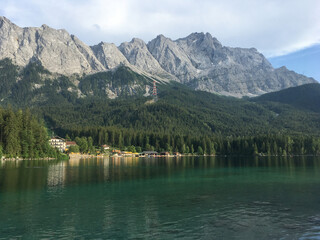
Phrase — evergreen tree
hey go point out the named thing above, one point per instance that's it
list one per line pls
(11, 132)
(200, 150)
(192, 149)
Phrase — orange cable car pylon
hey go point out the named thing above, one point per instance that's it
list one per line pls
(154, 92)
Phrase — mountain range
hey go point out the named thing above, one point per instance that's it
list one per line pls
(80, 90)
(199, 61)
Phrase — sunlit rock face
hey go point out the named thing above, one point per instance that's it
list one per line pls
(198, 60)
(56, 50)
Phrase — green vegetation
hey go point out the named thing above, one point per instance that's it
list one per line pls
(190, 144)
(180, 110)
(74, 149)
(181, 120)
(21, 135)
(305, 97)
(122, 78)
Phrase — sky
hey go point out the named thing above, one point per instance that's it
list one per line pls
(277, 28)
(305, 61)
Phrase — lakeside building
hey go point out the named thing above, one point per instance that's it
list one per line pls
(70, 143)
(59, 143)
(105, 147)
(166, 154)
(149, 153)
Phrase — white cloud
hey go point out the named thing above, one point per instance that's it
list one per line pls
(274, 27)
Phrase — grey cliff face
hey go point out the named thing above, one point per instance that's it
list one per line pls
(201, 49)
(172, 58)
(109, 55)
(138, 55)
(56, 50)
(198, 60)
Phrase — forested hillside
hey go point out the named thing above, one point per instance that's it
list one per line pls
(22, 135)
(180, 110)
(179, 116)
(305, 97)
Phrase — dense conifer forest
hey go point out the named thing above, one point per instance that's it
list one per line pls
(124, 139)
(179, 120)
(22, 135)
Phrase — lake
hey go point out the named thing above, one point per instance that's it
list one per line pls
(159, 198)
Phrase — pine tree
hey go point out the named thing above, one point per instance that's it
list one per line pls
(200, 150)
(11, 132)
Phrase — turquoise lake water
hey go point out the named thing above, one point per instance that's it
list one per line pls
(175, 198)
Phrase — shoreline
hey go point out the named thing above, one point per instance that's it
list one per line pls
(21, 159)
(86, 156)
(77, 156)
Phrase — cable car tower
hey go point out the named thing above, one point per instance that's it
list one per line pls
(154, 92)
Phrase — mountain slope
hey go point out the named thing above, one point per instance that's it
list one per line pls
(138, 55)
(109, 55)
(201, 62)
(34, 85)
(56, 50)
(198, 60)
(180, 110)
(78, 102)
(172, 58)
(306, 97)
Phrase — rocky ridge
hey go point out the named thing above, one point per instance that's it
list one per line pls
(198, 60)
(109, 55)
(55, 49)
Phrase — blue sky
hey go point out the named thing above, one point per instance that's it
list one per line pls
(305, 61)
(286, 31)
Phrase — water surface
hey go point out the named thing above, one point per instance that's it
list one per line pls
(189, 198)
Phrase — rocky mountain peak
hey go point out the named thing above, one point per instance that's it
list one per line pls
(55, 49)
(137, 53)
(138, 42)
(109, 55)
(4, 20)
(159, 41)
(6, 24)
(198, 60)
(200, 48)
(44, 26)
(172, 58)
(161, 37)
(201, 39)
(198, 37)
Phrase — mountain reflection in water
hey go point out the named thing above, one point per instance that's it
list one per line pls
(187, 197)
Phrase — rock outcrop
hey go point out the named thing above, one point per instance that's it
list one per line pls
(201, 62)
(198, 60)
(109, 55)
(172, 58)
(55, 49)
(137, 53)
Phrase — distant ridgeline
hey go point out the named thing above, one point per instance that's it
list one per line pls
(21, 135)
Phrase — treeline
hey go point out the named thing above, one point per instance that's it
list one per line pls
(213, 144)
(22, 135)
